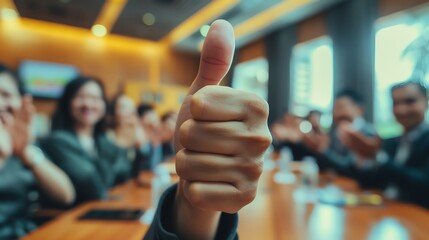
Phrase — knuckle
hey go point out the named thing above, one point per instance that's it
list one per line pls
(181, 167)
(252, 169)
(197, 105)
(257, 106)
(247, 196)
(185, 131)
(257, 141)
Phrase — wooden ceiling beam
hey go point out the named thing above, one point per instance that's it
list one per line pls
(207, 14)
(267, 17)
(110, 13)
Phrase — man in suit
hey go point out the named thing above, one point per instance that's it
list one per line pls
(401, 166)
(330, 150)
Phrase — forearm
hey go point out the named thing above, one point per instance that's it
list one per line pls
(164, 224)
(193, 223)
(51, 179)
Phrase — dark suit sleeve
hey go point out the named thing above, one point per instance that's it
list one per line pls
(62, 150)
(409, 176)
(160, 228)
(413, 181)
(371, 177)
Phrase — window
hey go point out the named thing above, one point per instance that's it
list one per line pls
(252, 76)
(312, 78)
(393, 63)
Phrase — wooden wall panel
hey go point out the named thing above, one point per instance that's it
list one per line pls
(312, 28)
(251, 51)
(113, 59)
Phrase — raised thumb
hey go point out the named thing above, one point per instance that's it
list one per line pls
(216, 56)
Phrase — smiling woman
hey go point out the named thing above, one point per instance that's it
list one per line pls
(78, 143)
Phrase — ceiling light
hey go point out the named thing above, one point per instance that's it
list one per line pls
(148, 19)
(99, 30)
(204, 30)
(8, 14)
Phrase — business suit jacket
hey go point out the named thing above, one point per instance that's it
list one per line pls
(91, 175)
(411, 178)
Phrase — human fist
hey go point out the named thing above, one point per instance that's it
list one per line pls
(221, 133)
(223, 146)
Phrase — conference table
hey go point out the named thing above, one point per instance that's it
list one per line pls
(274, 214)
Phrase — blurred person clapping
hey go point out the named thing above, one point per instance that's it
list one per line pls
(336, 150)
(23, 166)
(127, 131)
(287, 129)
(150, 122)
(168, 122)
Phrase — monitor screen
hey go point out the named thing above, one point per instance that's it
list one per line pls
(46, 80)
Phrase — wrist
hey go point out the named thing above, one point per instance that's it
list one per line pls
(32, 156)
(191, 222)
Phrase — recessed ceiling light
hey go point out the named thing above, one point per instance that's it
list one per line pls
(8, 14)
(204, 30)
(148, 19)
(99, 30)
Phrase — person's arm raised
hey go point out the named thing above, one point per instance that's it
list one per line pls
(221, 136)
(51, 179)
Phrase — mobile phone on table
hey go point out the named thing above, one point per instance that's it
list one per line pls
(112, 214)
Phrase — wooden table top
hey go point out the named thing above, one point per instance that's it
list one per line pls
(274, 214)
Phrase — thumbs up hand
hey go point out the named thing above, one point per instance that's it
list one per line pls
(221, 136)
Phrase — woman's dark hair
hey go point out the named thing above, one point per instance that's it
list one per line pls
(62, 118)
(144, 108)
(18, 82)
